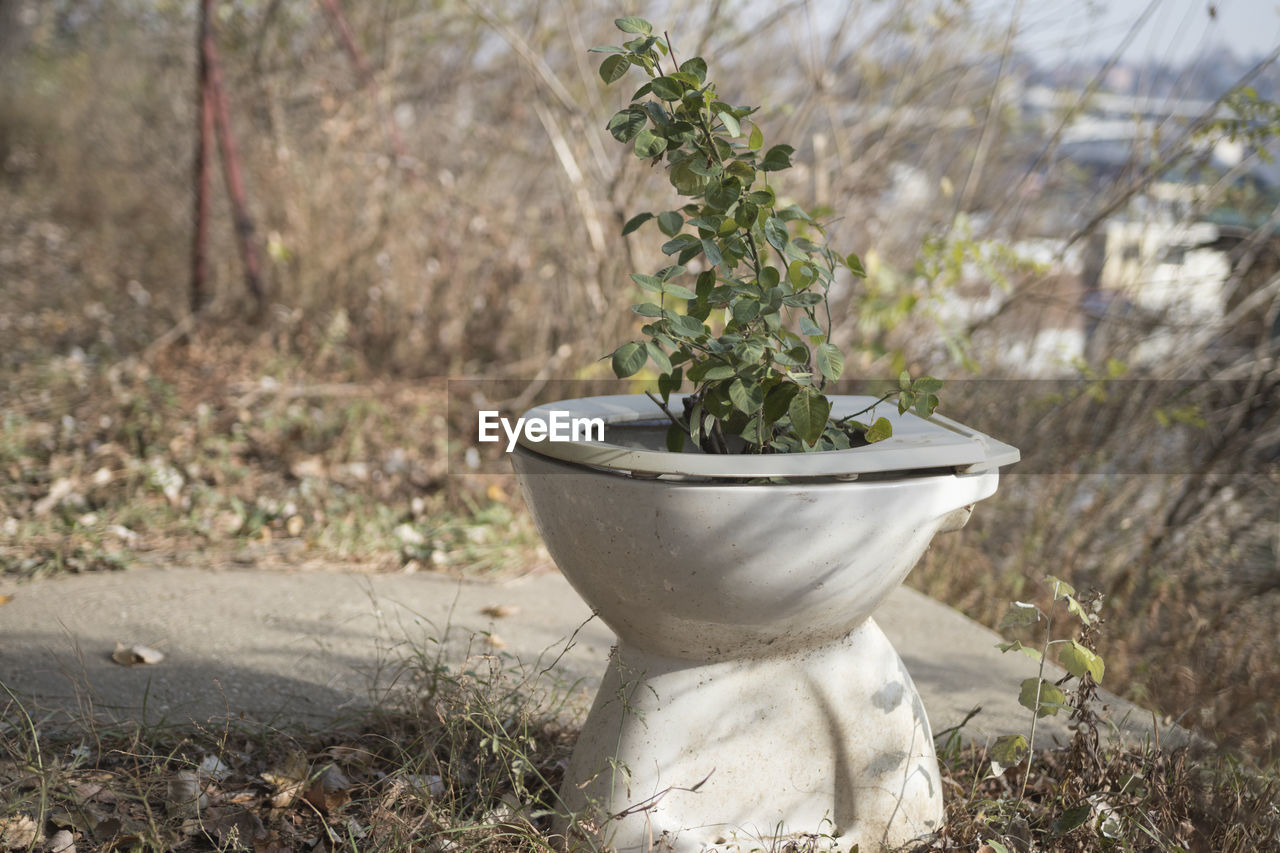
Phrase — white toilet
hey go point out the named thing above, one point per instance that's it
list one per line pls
(751, 698)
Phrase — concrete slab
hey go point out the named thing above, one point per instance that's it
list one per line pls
(309, 647)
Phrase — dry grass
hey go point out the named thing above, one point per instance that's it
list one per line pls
(469, 760)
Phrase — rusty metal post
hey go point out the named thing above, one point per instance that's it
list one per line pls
(201, 166)
(232, 174)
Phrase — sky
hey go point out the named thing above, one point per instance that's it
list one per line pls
(1176, 31)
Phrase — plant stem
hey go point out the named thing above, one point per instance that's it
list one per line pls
(667, 412)
(882, 399)
(1035, 714)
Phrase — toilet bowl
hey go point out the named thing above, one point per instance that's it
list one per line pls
(751, 696)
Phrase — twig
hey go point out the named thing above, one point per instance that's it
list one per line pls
(667, 412)
(848, 418)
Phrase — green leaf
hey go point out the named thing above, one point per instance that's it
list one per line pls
(686, 325)
(809, 411)
(685, 178)
(658, 357)
(879, 431)
(745, 310)
(649, 144)
(680, 243)
(778, 399)
(635, 222)
(667, 89)
(1059, 587)
(777, 158)
(830, 361)
(926, 385)
(1077, 660)
(1072, 818)
(628, 359)
(722, 195)
(675, 439)
(855, 266)
(1020, 615)
(634, 25)
(625, 124)
(1016, 646)
(775, 231)
(669, 383)
(1007, 751)
(697, 66)
(705, 284)
(802, 274)
(670, 223)
(756, 139)
(1050, 699)
(679, 291)
(1074, 606)
(717, 372)
(746, 396)
(647, 282)
(810, 328)
(731, 125)
(613, 68)
(712, 251)
(647, 309)
(925, 404)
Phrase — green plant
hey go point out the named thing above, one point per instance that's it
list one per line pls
(1046, 698)
(758, 382)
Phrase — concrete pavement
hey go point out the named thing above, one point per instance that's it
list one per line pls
(307, 647)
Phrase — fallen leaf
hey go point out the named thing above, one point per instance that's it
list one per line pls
(287, 781)
(185, 795)
(135, 655)
(214, 767)
(61, 842)
(239, 827)
(433, 785)
(93, 791)
(500, 611)
(329, 790)
(5, 599)
(20, 832)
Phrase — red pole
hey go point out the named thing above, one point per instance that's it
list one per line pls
(203, 159)
(231, 172)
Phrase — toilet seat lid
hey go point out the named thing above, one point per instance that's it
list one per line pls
(917, 443)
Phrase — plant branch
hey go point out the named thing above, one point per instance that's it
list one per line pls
(670, 415)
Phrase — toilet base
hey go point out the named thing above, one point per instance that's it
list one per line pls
(830, 742)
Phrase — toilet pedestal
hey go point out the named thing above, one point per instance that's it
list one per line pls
(741, 753)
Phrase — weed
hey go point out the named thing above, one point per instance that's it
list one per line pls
(469, 759)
